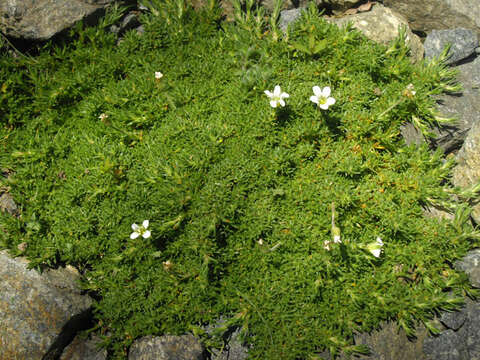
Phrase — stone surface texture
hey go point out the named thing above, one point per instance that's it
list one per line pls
(42, 19)
(34, 307)
(288, 17)
(381, 25)
(167, 347)
(471, 265)
(427, 15)
(467, 170)
(7, 204)
(461, 343)
(84, 349)
(463, 43)
(469, 8)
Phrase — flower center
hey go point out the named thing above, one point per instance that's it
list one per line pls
(322, 100)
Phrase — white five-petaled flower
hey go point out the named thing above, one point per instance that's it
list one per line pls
(103, 116)
(158, 75)
(140, 230)
(277, 96)
(376, 247)
(322, 97)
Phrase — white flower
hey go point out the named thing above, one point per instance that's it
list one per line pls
(322, 97)
(326, 245)
(103, 116)
(376, 247)
(277, 96)
(140, 230)
(158, 75)
(336, 239)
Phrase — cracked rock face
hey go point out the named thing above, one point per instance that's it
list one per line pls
(35, 307)
(42, 19)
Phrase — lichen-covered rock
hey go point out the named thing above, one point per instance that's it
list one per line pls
(467, 170)
(463, 43)
(42, 19)
(35, 307)
(167, 347)
(382, 25)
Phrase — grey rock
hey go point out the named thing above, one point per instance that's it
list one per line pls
(467, 171)
(167, 347)
(453, 320)
(36, 309)
(42, 19)
(427, 15)
(7, 204)
(446, 346)
(234, 348)
(470, 264)
(460, 344)
(84, 349)
(130, 21)
(464, 107)
(468, 8)
(288, 17)
(463, 44)
(382, 25)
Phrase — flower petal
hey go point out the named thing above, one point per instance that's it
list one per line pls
(277, 91)
(284, 95)
(273, 103)
(324, 106)
(145, 224)
(314, 99)
(268, 93)
(330, 101)
(336, 239)
(146, 234)
(135, 227)
(379, 241)
(326, 91)
(282, 102)
(376, 252)
(317, 91)
(134, 235)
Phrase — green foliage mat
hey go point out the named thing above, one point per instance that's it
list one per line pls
(239, 195)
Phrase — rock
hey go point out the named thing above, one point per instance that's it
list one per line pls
(130, 21)
(463, 44)
(464, 107)
(84, 349)
(338, 6)
(8, 205)
(167, 347)
(234, 348)
(468, 8)
(467, 170)
(460, 344)
(288, 17)
(453, 320)
(38, 312)
(471, 265)
(42, 19)
(427, 15)
(381, 25)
